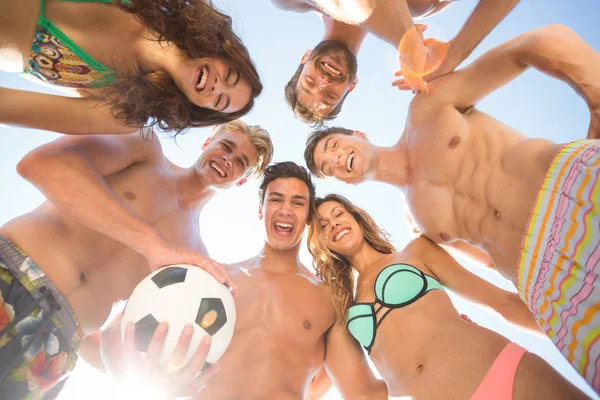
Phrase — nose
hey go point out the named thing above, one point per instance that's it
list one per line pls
(217, 87)
(322, 82)
(335, 225)
(286, 208)
(227, 159)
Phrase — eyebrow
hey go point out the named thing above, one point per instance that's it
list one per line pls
(226, 103)
(295, 196)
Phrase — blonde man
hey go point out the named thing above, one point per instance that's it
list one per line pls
(116, 209)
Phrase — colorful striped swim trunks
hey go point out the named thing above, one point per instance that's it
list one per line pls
(560, 257)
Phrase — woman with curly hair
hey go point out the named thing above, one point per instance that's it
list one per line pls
(404, 318)
(173, 64)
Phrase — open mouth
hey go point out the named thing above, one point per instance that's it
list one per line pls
(341, 234)
(202, 79)
(217, 169)
(283, 228)
(350, 162)
(331, 69)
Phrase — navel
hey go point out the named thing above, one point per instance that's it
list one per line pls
(130, 195)
(497, 214)
(455, 141)
(83, 278)
(445, 236)
(307, 324)
(420, 368)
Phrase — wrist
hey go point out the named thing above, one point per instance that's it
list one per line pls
(149, 241)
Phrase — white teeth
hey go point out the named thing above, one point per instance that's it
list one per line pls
(331, 69)
(283, 225)
(349, 162)
(341, 234)
(214, 166)
(204, 77)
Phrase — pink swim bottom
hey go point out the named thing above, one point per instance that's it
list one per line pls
(499, 380)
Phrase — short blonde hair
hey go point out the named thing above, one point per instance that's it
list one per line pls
(259, 138)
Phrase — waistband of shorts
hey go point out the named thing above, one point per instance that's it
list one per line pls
(33, 279)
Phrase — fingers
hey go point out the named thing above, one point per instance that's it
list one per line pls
(156, 343)
(178, 357)
(197, 362)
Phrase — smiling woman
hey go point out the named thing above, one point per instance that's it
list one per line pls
(178, 65)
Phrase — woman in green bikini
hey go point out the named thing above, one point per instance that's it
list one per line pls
(406, 321)
(175, 64)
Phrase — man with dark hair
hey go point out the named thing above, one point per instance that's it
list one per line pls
(286, 328)
(327, 74)
(471, 181)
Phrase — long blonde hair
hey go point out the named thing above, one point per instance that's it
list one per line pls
(334, 268)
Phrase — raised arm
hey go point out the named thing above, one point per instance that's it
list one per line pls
(70, 115)
(554, 50)
(455, 277)
(347, 366)
(70, 173)
(486, 15)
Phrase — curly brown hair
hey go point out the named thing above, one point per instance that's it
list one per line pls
(201, 30)
(335, 269)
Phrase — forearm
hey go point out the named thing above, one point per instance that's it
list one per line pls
(70, 115)
(90, 351)
(390, 21)
(71, 183)
(486, 15)
(515, 312)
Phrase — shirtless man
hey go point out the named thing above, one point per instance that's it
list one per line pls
(286, 326)
(117, 209)
(469, 178)
(327, 73)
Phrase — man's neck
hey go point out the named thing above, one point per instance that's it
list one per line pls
(391, 165)
(280, 261)
(192, 192)
(350, 36)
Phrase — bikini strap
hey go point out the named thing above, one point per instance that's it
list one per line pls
(42, 8)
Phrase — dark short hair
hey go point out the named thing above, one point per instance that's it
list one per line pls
(288, 169)
(303, 113)
(311, 144)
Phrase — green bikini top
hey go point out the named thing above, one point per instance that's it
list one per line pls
(396, 286)
(57, 60)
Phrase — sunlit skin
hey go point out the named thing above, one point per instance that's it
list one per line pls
(232, 153)
(425, 341)
(286, 202)
(285, 328)
(349, 158)
(319, 89)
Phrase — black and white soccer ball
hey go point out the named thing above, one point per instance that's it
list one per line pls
(181, 295)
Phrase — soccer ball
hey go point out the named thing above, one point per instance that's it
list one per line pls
(181, 295)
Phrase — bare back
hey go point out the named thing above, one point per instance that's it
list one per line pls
(472, 178)
(91, 270)
(279, 340)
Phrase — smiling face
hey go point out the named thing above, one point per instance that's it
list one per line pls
(328, 74)
(226, 159)
(213, 83)
(285, 210)
(345, 157)
(339, 228)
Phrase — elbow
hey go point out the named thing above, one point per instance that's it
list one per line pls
(31, 164)
(42, 161)
(550, 34)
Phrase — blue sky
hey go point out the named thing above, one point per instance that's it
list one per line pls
(534, 104)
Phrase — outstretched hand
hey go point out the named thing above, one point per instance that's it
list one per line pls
(173, 378)
(436, 64)
(168, 254)
(413, 56)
